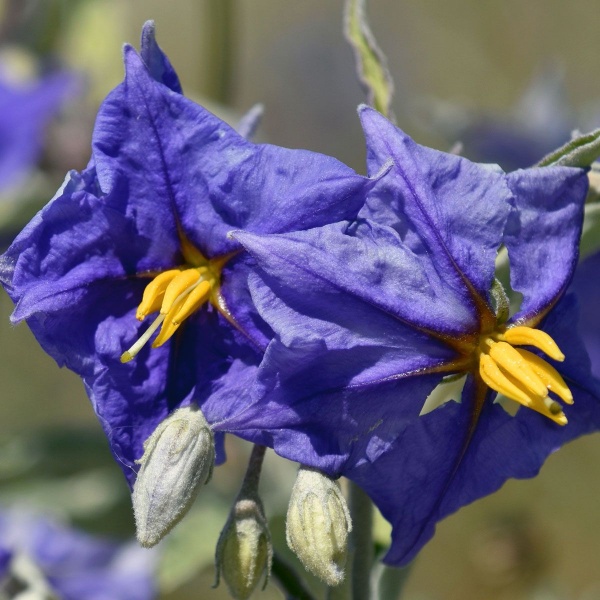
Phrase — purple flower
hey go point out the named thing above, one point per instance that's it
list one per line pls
(370, 317)
(143, 232)
(586, 284)
(39, 555)
(541, 121)
(24, 113)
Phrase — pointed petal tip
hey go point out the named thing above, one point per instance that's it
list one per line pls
(366, 113)
(149, 27)
(378, 125)
(148, 37)
(129, 55)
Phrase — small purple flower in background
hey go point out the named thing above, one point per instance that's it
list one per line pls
(370, 317)
(40, 556)
(25, 111)
(540, 121)
(139, 241)
(5, 558)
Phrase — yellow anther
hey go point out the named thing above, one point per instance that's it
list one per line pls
(497, 380)
(177, 293)
(526, 336)
(551, 409)
(548, 374)
(154, 292)
(180, 284)
(515, 365)
(168, 327)
(512, 389)
(196, 298)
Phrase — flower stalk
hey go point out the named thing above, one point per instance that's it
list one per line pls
(361, 510)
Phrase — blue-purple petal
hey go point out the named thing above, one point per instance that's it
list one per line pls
(238, 303)
(156, 60)
(207, 362)
(586, 285)
(179, 165)
(76, 565)
(444, 206)
(431, 454)
(329, 428)
(343, 373)
(542, 233)
(78, 238)
(362, 260)
(409, 480)
(5, 558)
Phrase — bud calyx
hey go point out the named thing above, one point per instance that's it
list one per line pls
(318, 524)
(244, 551)
(178, 458)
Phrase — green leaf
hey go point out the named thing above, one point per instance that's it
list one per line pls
(581, 151)
(371, 64)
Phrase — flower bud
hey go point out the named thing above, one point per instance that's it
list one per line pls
(244, 551)
(178, 458)
(317, 526)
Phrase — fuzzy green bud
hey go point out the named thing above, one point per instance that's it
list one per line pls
(244, 551)
(318, 524)
(178, 459)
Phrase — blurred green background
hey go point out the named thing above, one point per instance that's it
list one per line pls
(538, 539)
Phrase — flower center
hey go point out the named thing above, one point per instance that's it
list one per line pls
(176, 294)
(521, 375)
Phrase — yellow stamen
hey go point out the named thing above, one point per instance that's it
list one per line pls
(196, 298)
(551, 409)
(548, 374)
(492, 375)
(513, 389)
(154, 292)
(178, 293)
(526, 336)
(190, 299)
(180, 285)
(521, 375)
(169, 326)
(514, 364)
(139, 344)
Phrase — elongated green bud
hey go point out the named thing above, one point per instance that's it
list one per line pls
(318, 524)
(178, 459)
(244, 551)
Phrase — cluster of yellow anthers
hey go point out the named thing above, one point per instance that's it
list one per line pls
(176, 293)
(521, 375)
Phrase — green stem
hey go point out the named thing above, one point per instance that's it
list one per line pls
(361, 510)
(289, 580)
(252, 477)
(219, 78)
(392, 581)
